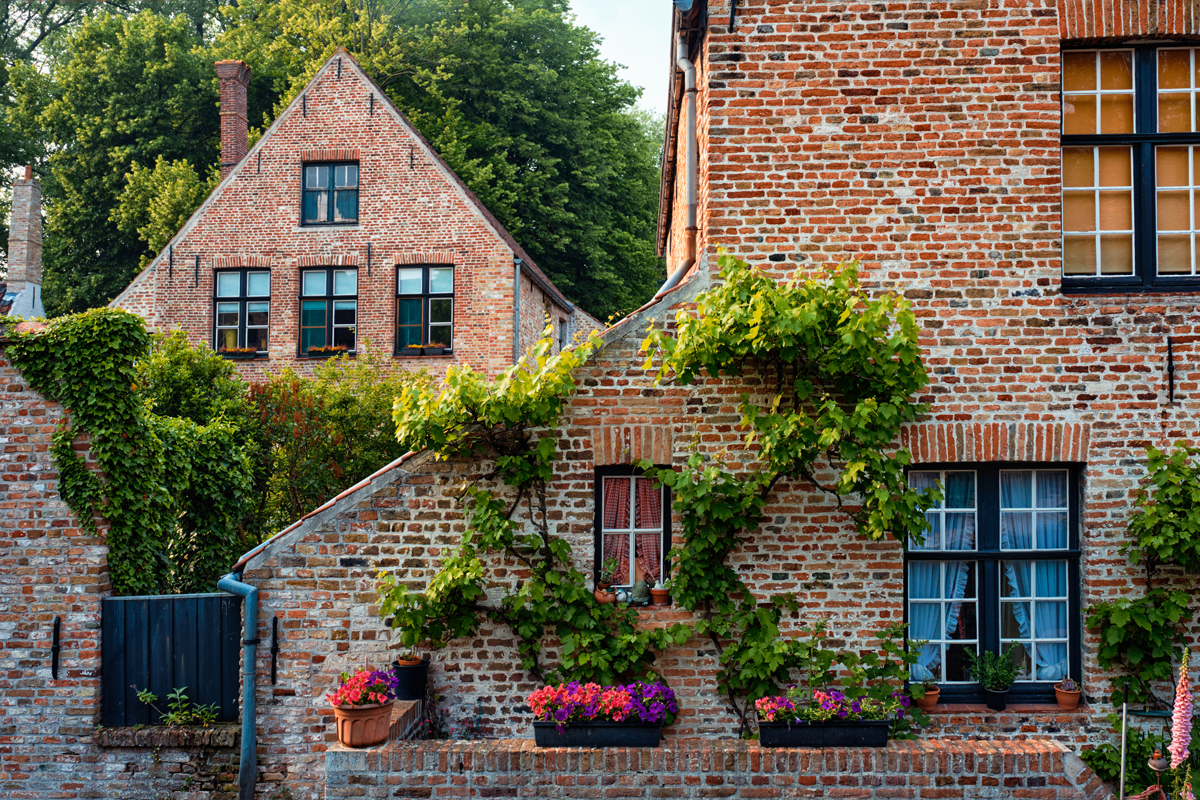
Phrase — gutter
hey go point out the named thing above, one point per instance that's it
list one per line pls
(517, 309)
(248, 767)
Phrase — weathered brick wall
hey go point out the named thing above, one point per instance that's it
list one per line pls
(707, 769)
(155, 763)
(411, 210)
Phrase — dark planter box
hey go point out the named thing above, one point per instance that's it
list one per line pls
(238, 356)
(411, 679)
(597, 734)
(311, 354)
(434, 351)
(412, 351)
(835, 733)
(996, 701)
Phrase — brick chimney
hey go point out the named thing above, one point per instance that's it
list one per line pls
(234, 77)
(24, 280)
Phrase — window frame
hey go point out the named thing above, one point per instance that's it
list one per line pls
(241, 299)
(625, 471)
(332, 189)
(988, 556)
(426, 297)
(1141, 143)
(329, 298)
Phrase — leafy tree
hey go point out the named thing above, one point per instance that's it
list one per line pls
(125, 91)
(157, 201)
(516, 99)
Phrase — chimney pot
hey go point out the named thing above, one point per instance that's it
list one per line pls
(234, 78)
(28, 172)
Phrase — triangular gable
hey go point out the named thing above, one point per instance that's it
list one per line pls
(340, 61)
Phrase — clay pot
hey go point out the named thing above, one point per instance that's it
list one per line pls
(660, 597)
(1067, 701)
(603, 597)
(363, 726)
(930, 700)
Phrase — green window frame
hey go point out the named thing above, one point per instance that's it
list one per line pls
(329, 193)
(328, 308)
(424, 305)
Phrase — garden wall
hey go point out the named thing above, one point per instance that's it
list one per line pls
(712, 769)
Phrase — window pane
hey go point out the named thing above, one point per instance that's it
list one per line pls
(344, 337)
(256, 338)
(344, 312)
(1116, 211)
(1079, 211)
(1116, 70)
(1079, 166)
(1015, 579)
(1174, 112)
(616, 503)
(1079, 114)
(314, 283)
(1174, 69)
(1014, 620)
(1079, 70)
(316, 206)
(1116, 255)
(346, 175)
(408, 281)
(257, 313)
(1079, 255)
(923, 584)
(1174, 211)
(316, 177)
(441, 310)
(1116, 113)
(647, 505)
(345, 206)
(312, 314)
(227, 339)
(960, 532)
(933, 533)
(922, 481)
(408, 335)
(441, 334)
(441, 280)
(1175, 254)
(1116, 166)
(258, 284)
(960, 490)
(408, 312)
(345, 281)
(1052, 530)
(1052, 489)
(229, 284)
(1016, 530)
(1171, 166)
(1016, 489)
(310, 338)
(227, 314)
(957, 666)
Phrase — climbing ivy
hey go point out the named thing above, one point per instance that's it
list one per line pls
(844, 369)
(169, 489)
(509, 422)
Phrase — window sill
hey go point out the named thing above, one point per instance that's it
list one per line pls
(221, 734)
(253, 357)
(350, 226)
(422, 355)
(306, 357)
(1022, 709)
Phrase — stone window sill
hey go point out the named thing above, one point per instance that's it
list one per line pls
(326, 228)
(1082, 710)
(219, 735)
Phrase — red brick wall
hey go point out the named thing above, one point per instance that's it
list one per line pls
(410, 210)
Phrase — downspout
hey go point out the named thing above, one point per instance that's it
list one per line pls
(248, 768)
(516, 309)
(689, 233)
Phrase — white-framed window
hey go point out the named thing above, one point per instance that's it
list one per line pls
(632, 537)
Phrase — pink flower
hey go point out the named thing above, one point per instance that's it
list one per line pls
(1181, 718)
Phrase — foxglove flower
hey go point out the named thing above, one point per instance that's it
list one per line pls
(1181, 718)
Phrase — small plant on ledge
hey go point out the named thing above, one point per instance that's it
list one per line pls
(182, 711)
(414, 349)
(434, 349)
(996, 672)
(327, 352)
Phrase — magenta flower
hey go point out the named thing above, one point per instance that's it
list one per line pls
(1181, 717)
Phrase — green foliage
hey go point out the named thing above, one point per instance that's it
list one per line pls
(181, 711)
(122, 91)
(1105, 759)
(1165, 523)
(995, 671)
(157, 201)
(1139, 636)
(503, 420)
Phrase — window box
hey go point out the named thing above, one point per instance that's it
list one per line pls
(598, 734)
(433, 351)
(833, 733)
(239, 355)
(327, 352)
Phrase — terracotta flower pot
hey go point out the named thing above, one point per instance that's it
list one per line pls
(603, 597)
(1067, 701)
(363, 726)
(660, 597)
(930, 700)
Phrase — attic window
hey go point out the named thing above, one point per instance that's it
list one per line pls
(330, 193)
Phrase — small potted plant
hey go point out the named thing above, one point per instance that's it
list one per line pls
(412, 672)
(590, 715)
(926, 694)
(996, 672)
(1067, 693)
(238, 352)
(331, 351)
(608, 570)
(414, 350)
(660, 595)
(362, 707)
(434, 348)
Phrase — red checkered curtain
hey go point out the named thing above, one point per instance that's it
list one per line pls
(616, 517)
(648, 514)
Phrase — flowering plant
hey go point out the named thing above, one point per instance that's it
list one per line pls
(364, 687)
(589, 702)
(831, 704)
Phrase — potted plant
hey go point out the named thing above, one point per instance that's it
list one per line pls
(1067, 693)
(590, 715)
(608, 569)
(412, 673)
(238, 352)
(362, 707)
(434, 348)
(414, 350)
(660, 595)
(926, 694)
(996, 672)
(327, 352)
(827, 718)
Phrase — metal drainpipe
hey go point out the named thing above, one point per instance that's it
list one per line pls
(248, 768)
(516, 309)
(689, 235)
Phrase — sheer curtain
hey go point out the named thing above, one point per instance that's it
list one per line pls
(925, 619)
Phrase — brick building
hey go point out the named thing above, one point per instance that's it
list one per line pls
(343, 225)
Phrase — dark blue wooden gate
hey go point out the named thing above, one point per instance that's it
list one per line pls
(166, 642)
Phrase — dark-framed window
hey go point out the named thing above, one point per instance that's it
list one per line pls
(241, 309)
(1130, 169)
(999, 567)
(328, 308)
(633, 525)
(424, 305)
(329, 193)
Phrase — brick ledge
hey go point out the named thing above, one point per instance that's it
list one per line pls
(223, 735)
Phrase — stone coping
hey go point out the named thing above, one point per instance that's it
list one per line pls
(220, 735)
